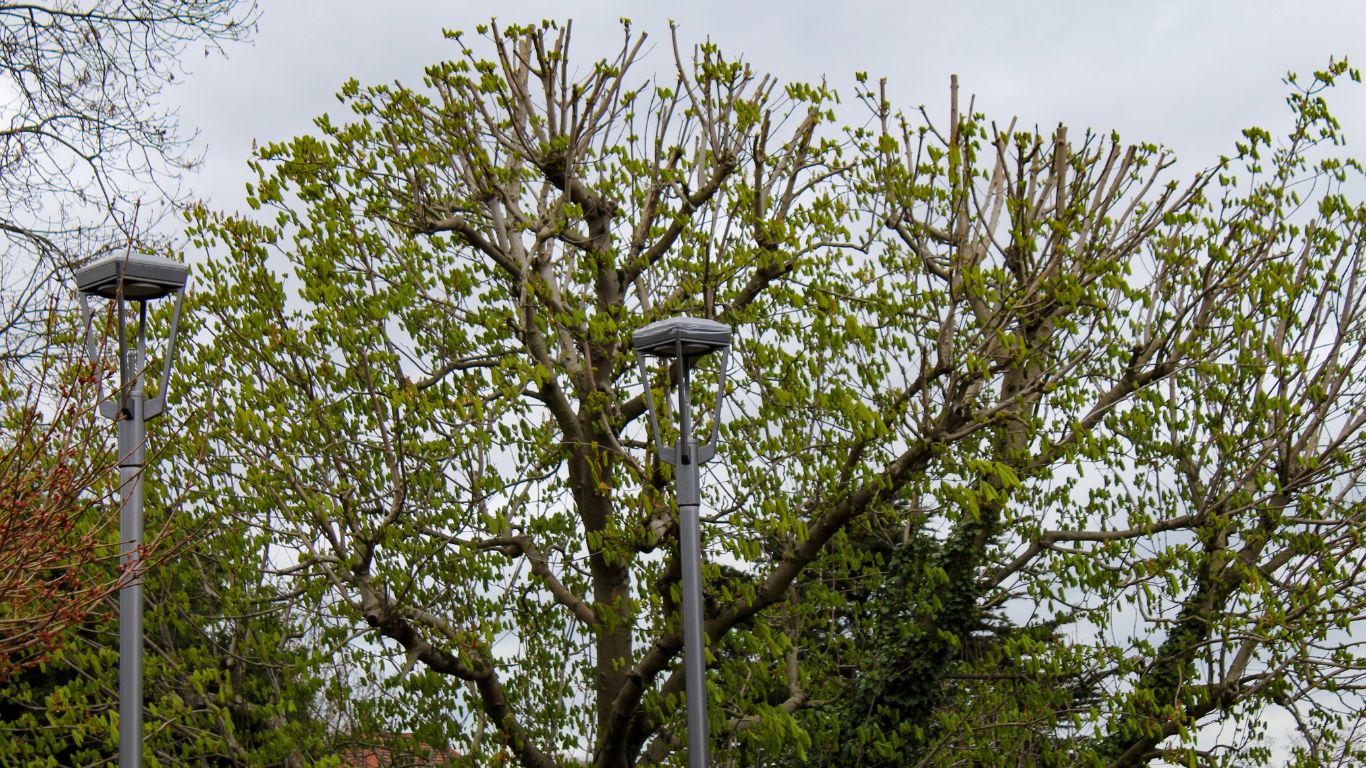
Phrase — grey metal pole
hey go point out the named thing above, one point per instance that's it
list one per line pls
(141, 278)
(690, 552)
(132, 458)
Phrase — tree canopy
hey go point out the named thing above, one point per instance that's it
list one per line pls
(1031, 454)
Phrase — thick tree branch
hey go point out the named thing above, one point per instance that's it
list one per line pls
(522, 545)
(394, 623)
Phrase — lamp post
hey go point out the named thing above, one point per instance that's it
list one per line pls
(685, 340)
(140, 278)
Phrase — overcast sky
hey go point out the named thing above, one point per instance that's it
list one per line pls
(1187, 74)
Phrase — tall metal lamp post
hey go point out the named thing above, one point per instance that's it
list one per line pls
(684, 340)
(139, 278)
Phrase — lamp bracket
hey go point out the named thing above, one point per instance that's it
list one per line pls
(119, 407)
(155, 406)
(700, 453)
(109, 409)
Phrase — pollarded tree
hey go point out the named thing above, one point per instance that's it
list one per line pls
(1161, 536)
(422, 384)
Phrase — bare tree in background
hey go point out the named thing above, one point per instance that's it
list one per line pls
(83, 137)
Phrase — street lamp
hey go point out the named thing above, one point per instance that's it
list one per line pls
(685, 340)
(140, 278)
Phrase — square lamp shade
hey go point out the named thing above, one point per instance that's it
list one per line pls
(143, 277)
(698, 336)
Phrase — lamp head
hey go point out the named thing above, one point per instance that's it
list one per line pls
(142, 277)
(699, 337)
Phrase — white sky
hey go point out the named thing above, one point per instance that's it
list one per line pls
(1187, 74)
